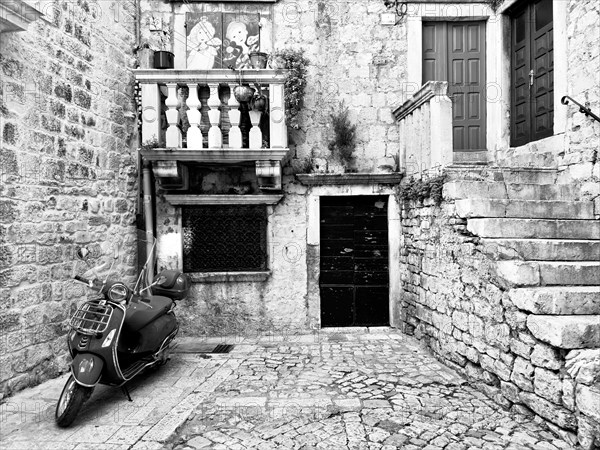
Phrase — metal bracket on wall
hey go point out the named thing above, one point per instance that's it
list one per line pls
(582, 109)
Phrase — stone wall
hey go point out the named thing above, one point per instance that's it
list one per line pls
(246, 305)
(353, 59)
(455, 302)
(581, 159)
(574, 147)
(68, 172)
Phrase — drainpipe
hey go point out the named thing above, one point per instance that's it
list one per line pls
(149, 221)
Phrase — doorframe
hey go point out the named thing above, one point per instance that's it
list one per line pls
(313, 238)
(497, 41)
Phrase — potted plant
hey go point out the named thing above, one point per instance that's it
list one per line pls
(344, 142)
(259, 59)
(259, 100)
(163, 59)
(145, 56)
(242, 93)
(295, 82)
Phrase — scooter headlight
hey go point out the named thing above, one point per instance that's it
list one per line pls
(118, 292)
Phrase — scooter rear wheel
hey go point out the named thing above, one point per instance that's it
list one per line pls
(71, 399)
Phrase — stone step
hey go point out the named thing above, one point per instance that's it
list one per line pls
(533, 160)
(535, 228)
(541, 249)
(509, 175)
(557, 300)
(567, 332)
(465, 189)
(546, 273)
(524, 209)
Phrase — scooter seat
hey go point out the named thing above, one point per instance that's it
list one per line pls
(139, 314)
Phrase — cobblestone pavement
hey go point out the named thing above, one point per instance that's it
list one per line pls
(334, 390)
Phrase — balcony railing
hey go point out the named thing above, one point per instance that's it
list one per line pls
(425, 122)
(196, 110)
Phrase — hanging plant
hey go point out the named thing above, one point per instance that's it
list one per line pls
(295, 82)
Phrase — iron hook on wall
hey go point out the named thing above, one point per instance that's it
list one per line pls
(582, 109)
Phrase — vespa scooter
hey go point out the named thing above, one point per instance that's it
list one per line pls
(117, 336)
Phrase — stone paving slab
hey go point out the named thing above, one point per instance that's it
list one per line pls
(360, 389)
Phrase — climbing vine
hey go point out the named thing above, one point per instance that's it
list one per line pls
(418, 189)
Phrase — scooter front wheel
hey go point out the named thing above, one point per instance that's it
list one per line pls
(71, 399)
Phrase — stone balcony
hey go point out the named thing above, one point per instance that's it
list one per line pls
(192, 116)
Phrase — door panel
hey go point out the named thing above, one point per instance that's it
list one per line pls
(455, 52)
(354, 280)
(532, 72)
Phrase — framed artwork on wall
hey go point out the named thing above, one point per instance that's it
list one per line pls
(223, 39)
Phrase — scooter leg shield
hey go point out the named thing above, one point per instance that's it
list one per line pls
(87, 369)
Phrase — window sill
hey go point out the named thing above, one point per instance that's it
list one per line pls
(216, 277)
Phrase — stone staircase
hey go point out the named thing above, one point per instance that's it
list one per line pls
(546, 243)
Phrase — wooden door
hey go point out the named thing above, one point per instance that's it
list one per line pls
(455, 52)
(354, 281)
(532, 72)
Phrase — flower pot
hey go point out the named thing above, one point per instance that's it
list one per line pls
(243, 93)
(277, 63)
(146, 58)
(259, 60)
(259, 103)
(164, 60)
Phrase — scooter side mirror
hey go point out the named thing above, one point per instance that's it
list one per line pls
(83, 253)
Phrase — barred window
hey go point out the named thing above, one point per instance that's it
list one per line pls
(224, 238)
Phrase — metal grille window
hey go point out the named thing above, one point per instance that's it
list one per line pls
(224, 238)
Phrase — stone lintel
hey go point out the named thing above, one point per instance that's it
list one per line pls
(329, 179)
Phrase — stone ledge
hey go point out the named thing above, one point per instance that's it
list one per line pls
(179, 200)
(232, 277)
(330, 179)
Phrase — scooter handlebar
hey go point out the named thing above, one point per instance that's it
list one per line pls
(83, 280)
(94, 284)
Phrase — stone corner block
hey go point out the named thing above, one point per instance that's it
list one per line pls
(567, 332)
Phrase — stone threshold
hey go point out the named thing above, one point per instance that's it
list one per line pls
(330, 179)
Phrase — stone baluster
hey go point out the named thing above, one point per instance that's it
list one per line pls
(255, 137)
(235, 134)
(173, 135)
(277, 126)
(215, 136)
(194, 135)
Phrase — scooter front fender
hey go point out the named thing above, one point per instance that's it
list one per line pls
(87, 369)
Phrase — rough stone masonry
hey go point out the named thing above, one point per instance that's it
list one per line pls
(67, 173)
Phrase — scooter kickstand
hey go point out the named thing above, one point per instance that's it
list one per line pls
(126, 392)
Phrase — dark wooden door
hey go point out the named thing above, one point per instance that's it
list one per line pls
(532, 72)
(455, 52)
(354, 281)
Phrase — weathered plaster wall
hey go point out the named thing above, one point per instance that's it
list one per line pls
(68, 172)
(453, 300)
(277, 304)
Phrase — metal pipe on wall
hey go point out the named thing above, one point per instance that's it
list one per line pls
(149, 220)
